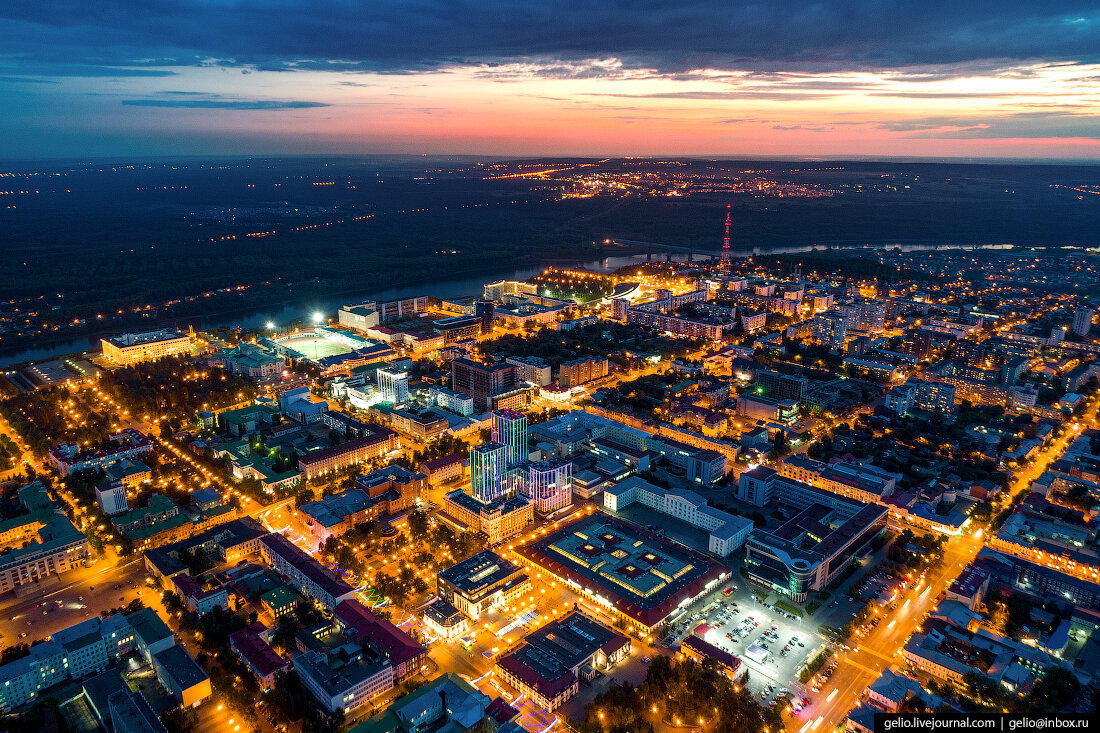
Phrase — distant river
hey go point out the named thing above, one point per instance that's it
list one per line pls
(440, 288)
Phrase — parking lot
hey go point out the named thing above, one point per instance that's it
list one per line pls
(780, 645)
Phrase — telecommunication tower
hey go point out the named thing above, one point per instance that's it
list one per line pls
(726, 242)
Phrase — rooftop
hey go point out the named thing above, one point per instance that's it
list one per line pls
(969, 581)
(146, 337)
(398, 646)
(380, 434)
(149, 626)
(279, 597)
(642, 575)
(179, 665)
(258, 653)
(480, 572)
(706, 649)
(306, 565)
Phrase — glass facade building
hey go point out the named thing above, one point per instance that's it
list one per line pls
(550, 485)
(487, 471)
(510, 430)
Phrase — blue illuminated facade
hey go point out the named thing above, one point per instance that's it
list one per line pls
(487, 469)
(510, 429)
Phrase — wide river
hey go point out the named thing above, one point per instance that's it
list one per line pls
(441, 288)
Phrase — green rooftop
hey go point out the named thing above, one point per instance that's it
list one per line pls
(141, 533)
(279, 598)
(119, 470)
(35, 498)
(243, 413)
(158, 503)
(396, 718)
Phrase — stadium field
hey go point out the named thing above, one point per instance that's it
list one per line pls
(314, 347)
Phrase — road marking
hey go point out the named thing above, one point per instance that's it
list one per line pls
(857, 665)
(832, 694)
(880, 655)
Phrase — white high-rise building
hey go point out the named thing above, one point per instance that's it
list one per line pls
(393, 384)
(1082, 321)
(111, 498)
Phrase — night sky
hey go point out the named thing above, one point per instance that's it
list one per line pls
(889, 78)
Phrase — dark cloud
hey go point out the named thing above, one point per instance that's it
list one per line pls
(1020, 125)
(78, 70)
(927, 123)
(734, 93)
(237, 104)
(672, 38)
(25, 80)
(807, 128)
(1023, 126)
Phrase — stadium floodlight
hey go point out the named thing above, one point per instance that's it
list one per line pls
(271, 325)
(318, 317)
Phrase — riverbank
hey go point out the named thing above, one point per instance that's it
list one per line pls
(302, 299)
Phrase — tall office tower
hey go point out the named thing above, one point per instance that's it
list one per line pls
(781, 386)
(482, 381)
(549, 485)
(1082, 321)
(393, 384)
(486, 471)
(510, 429)
(483, 310)
(831, 329)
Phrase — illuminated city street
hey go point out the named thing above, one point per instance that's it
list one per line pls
(582, 368)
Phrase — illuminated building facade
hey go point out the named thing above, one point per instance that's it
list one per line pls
(510, 430)
(497, 520)
(830, 329)
(483, 582)
(487, 464)
(1082, 321)
(579, 371)
(393, 384)
(482, 381)
(132, 348)
(549, 485)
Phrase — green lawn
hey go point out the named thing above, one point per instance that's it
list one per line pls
(789, 608)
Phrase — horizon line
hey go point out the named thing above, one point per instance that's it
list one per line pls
(963, 160)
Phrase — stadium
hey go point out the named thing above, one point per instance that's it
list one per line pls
(329, 348)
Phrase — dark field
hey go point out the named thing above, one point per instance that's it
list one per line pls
(94, 239)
